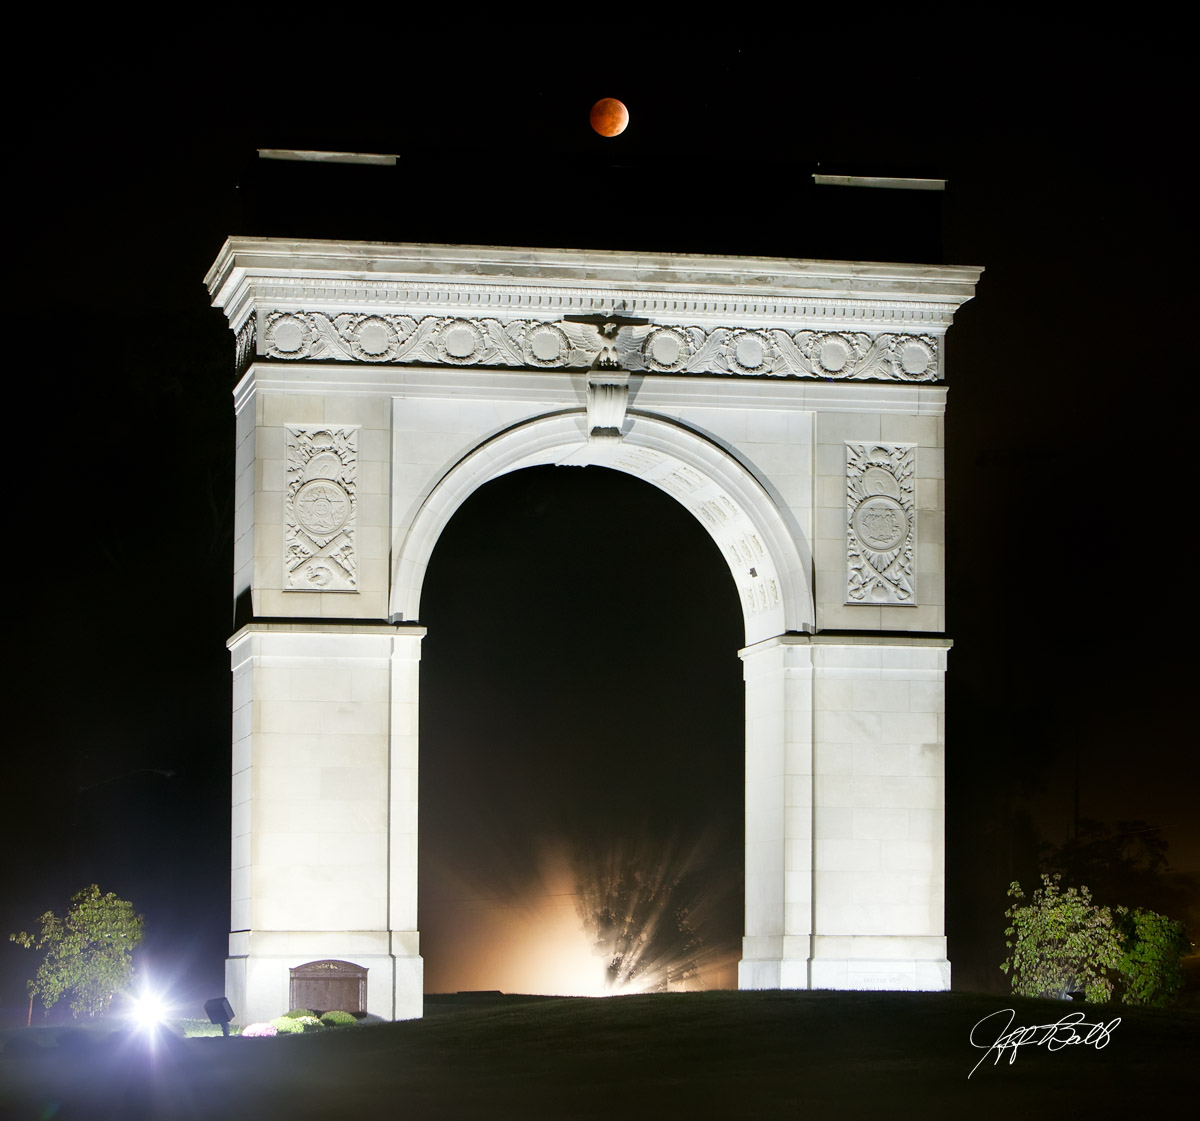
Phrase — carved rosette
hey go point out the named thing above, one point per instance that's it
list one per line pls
(320, 509)
(544, 344)
(662, 349)
(666, 350)
(881, 524)
(751, 352)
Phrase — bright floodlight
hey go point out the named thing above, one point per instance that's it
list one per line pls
(149, 1011)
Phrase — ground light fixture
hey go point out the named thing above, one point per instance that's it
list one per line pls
(220, 1012)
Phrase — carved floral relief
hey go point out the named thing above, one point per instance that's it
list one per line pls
(664, 349)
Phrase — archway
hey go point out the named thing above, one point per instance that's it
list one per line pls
(767, 557)
(581, 708)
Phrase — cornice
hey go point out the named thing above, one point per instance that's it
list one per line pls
(683, 313)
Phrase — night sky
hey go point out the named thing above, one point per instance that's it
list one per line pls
(608, 707)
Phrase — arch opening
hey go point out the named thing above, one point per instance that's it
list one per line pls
(769, 566)
(582, 743)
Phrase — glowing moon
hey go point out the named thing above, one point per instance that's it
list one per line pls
(609, 117)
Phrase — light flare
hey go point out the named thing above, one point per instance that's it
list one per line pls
(595, 919)
(148, 1011)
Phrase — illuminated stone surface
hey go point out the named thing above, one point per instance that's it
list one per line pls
(793, 407)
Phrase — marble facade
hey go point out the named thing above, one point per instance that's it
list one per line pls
(795, 408)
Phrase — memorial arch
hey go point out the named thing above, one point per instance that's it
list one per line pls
(793, 407)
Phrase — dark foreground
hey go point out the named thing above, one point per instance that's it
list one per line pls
(704, 1055)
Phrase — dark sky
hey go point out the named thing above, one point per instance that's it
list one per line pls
(1069, 438)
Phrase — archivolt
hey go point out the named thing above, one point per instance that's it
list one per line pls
(707, 480)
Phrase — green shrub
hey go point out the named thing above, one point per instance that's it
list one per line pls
(298, 1013)
(337, 1018)
(1151, 965)
(1062, 942)
(287, 1025)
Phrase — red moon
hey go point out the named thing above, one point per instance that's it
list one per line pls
(609, 117)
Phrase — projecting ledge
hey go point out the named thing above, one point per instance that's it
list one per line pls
(324, 640)
(826, 638)
(378, 630)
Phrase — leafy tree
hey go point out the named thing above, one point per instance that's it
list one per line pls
(88, 951)
(1060, 942)
(1151, 965)
(1122, 863)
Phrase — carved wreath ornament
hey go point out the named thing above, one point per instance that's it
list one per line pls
(314, 335)
(881, 523)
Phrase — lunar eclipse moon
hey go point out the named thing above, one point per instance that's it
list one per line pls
(609, 117)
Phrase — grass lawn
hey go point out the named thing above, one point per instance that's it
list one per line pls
(701, 1055)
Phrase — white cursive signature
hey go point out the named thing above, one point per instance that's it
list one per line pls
(1062, 1033)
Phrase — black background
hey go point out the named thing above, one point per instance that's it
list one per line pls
(1069, 432)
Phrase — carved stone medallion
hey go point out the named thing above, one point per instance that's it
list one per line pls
(881, 523)
(322, 507)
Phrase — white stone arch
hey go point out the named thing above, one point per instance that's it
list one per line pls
(719, 491)
(761, 388)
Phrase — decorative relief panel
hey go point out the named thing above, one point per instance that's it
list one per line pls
(881, 523)
(889, 356)
(814, 354)
(434, 339)
(320, 511)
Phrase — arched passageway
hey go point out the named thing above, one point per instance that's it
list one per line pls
(582, 723)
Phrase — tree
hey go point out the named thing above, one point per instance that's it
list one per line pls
(1062, 943)
(1124, 863)
(88, 951)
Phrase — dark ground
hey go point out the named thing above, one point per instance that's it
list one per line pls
(709, 1055)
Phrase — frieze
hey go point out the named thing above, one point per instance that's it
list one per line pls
(881, 524)
(321, 507)
(454, 340)
(838, 355)
(653, 348)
